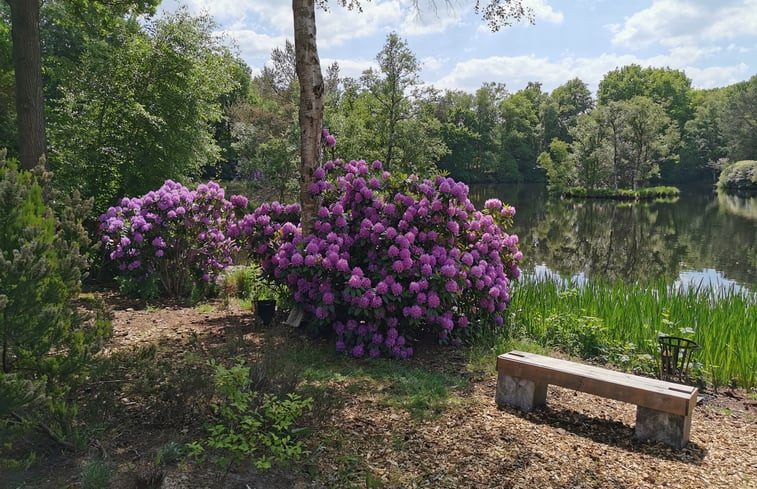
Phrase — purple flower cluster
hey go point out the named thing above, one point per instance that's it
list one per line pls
(181, 236)
(328, 139)
(388, 260)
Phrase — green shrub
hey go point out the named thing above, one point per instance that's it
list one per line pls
(96, 475)
(169, 453)
(248, 427)
(45, 341)
(741, 175)
(249, 282)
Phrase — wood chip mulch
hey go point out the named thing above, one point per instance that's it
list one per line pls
(578, 441)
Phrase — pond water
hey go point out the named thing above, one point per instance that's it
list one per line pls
(703, 238)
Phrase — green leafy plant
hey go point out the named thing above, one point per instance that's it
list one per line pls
(249, 283)
(96, 475)
(250, 427)
(169, 453)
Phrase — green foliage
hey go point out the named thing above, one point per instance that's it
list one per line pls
(8, 131)
(667, 87)
(620, 144)
(264, 134)
(96, 474)
(572, 100)
(169, 453)
(622, 193)
(574, 334)
(561, 173)
(248, 427)
(620, 323)
(249, 282)
(45, 342)
(139, 111)
(704, 141)
(521, 131)
(739, 119)
(741, 175)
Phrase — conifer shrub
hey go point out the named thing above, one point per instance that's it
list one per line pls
(46, 342)
(390, 259)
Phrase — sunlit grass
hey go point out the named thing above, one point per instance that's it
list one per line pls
(722, 323)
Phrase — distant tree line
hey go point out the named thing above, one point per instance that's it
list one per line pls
(130, 103)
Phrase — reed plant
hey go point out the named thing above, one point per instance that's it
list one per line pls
(619, 322)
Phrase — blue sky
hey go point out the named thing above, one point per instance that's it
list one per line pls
(713, 41)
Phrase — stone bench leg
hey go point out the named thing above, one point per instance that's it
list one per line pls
(521, 393)
(671, 429)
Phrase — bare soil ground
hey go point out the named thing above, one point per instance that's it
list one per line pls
(154, 387)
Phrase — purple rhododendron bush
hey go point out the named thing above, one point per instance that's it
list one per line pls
(174, 238)
(389, 259)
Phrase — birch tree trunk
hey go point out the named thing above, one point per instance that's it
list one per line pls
(27, 63)
(309, 74)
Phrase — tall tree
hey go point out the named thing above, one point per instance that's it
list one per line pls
(498, 13)
(739, 120)
(8, 132)
(612, 116)
(133, 115)
(650, 135)
(27, 62)
(573, 99)
(667, 87)
(704, 140)
(590, 153)
(398, 73)
(522, 143)
(308, 67)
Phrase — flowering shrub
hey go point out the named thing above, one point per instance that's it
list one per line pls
(180, 237)
(389, 259)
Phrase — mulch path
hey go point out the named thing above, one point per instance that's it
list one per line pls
(578, 441)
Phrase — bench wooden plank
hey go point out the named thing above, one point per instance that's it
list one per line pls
(650, 393)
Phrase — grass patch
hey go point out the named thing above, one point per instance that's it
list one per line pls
(96, 475)
(202, 308)
(421, 392)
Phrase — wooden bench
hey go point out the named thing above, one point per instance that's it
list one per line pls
(663, 410)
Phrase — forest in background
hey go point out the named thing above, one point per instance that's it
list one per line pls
(132, 101)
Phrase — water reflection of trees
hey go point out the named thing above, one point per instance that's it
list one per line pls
(640, 242)
(605, 240)
(721, 234)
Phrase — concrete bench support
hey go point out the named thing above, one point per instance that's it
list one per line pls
(521, 393)
(663, 410)
(671, 429)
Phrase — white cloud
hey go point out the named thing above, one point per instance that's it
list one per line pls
(253, 45)
(338, 26)
(352, 68)
(433, 63)
(517, 71)
(718, 76)
(687, 22)
(544, 12)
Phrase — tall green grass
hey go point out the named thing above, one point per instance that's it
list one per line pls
(631, 316)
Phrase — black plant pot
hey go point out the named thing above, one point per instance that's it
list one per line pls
(265, 310)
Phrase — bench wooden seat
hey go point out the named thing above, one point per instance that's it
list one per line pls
(663, 412)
